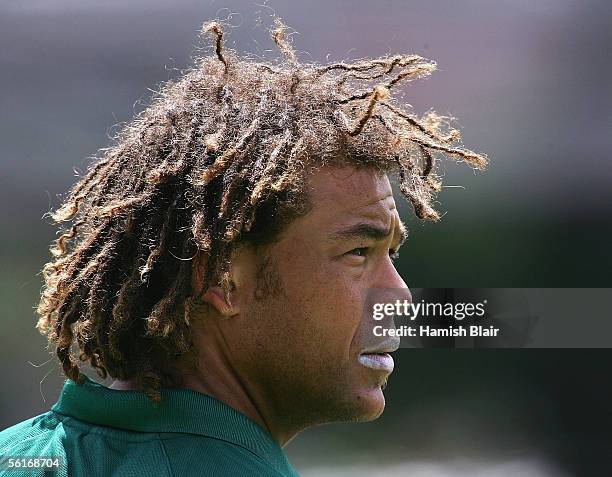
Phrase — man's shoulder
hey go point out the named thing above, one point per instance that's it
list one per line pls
(35, 434)
(202, 455)
(101, 450)
(22, 443)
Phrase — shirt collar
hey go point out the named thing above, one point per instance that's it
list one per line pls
(180, 410)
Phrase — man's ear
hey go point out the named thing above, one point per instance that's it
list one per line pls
(213, 295)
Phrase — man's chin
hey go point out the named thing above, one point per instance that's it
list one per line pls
(369, 404)
(377, 399)
(357, 403)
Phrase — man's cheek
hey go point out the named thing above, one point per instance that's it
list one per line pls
(341, 319)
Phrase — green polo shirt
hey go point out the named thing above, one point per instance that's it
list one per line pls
(97, 431)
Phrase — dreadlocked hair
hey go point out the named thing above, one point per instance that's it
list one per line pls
(219, 158)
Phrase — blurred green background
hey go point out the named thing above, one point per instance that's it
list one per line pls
(529, 84)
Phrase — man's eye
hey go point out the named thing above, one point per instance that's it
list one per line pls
(359, 252)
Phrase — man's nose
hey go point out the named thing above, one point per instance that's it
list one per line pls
(392, 281)
(391, 277)
(399, 281)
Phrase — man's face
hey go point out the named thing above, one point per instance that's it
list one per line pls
(300, 344)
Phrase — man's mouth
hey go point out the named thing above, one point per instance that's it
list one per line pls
(378, 357)
(378, 361)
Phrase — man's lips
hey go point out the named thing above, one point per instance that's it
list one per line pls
(378, 357)
(378, 361)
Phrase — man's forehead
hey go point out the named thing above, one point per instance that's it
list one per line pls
(346, 197)
(349, 188)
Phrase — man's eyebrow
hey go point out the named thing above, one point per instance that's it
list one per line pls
(364, 230)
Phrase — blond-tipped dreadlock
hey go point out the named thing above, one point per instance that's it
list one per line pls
(218, 159)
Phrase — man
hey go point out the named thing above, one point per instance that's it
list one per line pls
(217, 264)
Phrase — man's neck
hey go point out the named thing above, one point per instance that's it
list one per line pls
(217, 378)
